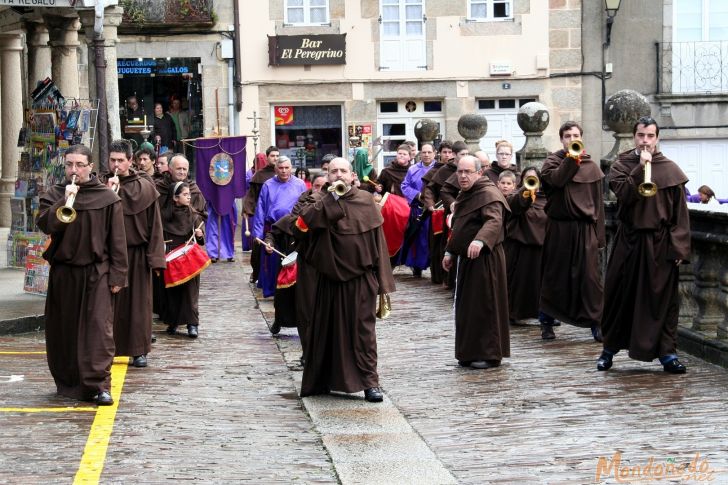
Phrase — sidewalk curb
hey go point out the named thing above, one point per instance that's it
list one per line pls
(697, 344)
(32, 323)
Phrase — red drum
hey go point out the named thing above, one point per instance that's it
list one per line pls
(438, 217)
(184, 263)
(395, 211)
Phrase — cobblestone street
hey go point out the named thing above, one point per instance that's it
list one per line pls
(224, 408)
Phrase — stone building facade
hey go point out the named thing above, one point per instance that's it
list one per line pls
(405, 61)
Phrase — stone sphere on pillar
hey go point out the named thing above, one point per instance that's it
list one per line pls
(533, 117)
(426, 130)
(472, 126)
(623, 109)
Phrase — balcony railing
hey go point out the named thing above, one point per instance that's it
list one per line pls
(166, 14)
(692, 67)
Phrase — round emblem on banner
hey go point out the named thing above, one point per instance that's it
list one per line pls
(222, 169)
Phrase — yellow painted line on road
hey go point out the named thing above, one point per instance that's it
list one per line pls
(18, 352)
(48, 410)
(94, 454)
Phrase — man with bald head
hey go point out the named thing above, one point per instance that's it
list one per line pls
(475, 248)
(347, 248)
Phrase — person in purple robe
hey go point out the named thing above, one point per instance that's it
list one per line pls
(259, 162)
(415, 251)
(277, 198)
(220, 230)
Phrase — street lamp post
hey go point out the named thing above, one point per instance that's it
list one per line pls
(611, 6)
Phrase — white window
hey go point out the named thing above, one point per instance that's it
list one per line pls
(402, 35)
(702, 160)
(396, 122)
(489, 9)
(307, 12)
(700, 46)
(502, 117)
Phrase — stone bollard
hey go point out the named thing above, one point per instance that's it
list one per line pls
(472, 127)
(426, 130)
(621, 112)
(533, 118)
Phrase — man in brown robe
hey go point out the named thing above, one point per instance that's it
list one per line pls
(145, 252)
(653, 238)
(482, 335)
(392, 176)
(443, 189)
(250, 202)
(436, 241)
(88, 266)
(347, 248)
(571, 288)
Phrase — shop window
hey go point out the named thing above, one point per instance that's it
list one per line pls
(483, 10)
(306, 133)
(486, 104)
(307, 12)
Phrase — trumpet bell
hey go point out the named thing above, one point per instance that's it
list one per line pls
(339, 187)
(66, 214)
(385, 306)
(576, 148)
(531, 183)
(647, 189)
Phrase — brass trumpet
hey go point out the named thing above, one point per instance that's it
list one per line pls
(576, 148)
(647, 188)
(339, 187)
(532, 184)
(66, 213)
(385, 306)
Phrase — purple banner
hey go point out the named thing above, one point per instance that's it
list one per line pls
(220, 171)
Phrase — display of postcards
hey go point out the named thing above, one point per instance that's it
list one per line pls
(22, 137)
(32, 188)
(44, 122)
(67, 135)
(85, 121)
(21, 188)
(72, 120)
(77, 138)
(24, 163)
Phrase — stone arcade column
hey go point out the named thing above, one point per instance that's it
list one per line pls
(533, 118)
(112, 20)
(472, 127)
(63, 32)
(621, 112)
(11, 110)
(39, 53)
(426, 130)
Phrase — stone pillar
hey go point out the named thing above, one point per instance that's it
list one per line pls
(11, 103)
(533, 118)
(39, 54)
(472, 127)
(63, 32)
(712, 259)
(112, 20)
(621, 112)
(426, 130)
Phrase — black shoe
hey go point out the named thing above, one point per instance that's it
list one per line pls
(253, 278)
(604, 362)
(139, 361)
(230, 260)
(275, 328)
(547, 332)
(192, 331)
(154, 338)
(214, 260)
(417, 273)
(675, 367)
(596, 331)
(303, 361)
(373, 394)
(172, 329)
(464, 363)
(103, 398)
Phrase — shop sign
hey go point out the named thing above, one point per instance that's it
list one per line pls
(284, 115)
(39, 3)
(155, 67)
(294, 50)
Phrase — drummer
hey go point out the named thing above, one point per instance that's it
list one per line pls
(181, 223)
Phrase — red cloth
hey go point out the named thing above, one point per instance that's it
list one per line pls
(395, 211)
(438, 218)
(287, 276)
(260, 161)
(184, 263)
